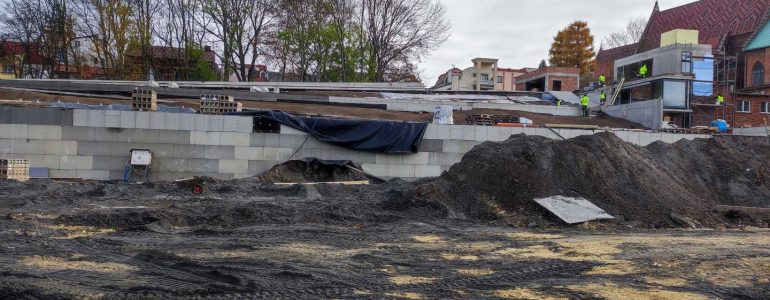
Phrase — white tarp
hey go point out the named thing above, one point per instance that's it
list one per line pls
(443, 114)
(573, 210)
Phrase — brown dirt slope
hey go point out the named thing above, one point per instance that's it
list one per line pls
(640, 184)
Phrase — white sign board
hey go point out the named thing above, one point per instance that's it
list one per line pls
(141, 157)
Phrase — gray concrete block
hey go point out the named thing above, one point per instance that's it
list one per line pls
(68, 162)
(158, 120)
(196, 165)
(401, 171)
(259, 166)
(202, 122)
(456, 132)
(216, 123)
(124, 149)
(331, 154)
(389, 159)
(139, 136)
(143, 119)
(249, 153)
(59, 147)
(361, 157)
(44, 132)
(220, 176)
(431, 132)
(376, 169)
(431, 145)
(286, 130)
(241, 176)
(171, 121)
(234, 139)
(278, 154)
(170, 165)
(186, 122)
(161, 150)
(86, 148)
(77, 133)
(111, 118)
(448, 159)
(96, 118)
(444, 132)
(316, 144)
(433, 158)
(493, 134)
(14, 131)
(219, 152)
(80, 117)
(108, 134)
(62, 173)
(66, 118)
(482, 133)
(41, 161)
(189, 151)
(451, 146)
(292, 141)
(93, 174)
(127, 119)
(231, 123)
(181, 137)
(272, 140)
(416, 159)
(258, 139)
(231, 166)
(109, 162)
(427, 171)
(116, 174)
(205, 138)
(245, 124)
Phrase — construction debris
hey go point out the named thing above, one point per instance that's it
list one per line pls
(573, 210)
(15, 169)
(219, 104)
(144, 100)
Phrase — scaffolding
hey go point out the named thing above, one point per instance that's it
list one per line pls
(725, 80)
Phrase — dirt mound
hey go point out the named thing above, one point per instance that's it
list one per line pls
(312, 170)
(660, 185)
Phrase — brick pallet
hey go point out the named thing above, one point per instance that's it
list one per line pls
(16, 169)
(144, 100)
(219, 104)
(490, 120)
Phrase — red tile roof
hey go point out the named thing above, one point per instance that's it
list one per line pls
(442, 78)
(605, 60)
(715, 19)
(16, 48)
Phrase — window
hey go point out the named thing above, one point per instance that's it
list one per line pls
(674, 94)
(59, 57)
(765, 108)
(474, 75)
(686, 62)
(484, 76)
(499, 79)
(8, 69)
(556, 85)
(744, 106)
(758, 74)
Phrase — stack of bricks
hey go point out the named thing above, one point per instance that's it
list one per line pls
(219, 104)
(144, 100)
(16, 169)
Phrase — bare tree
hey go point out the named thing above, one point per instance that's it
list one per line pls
(402, 28)
(631, 34)
(22, 21)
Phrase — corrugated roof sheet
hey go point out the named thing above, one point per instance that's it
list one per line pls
(761, 39)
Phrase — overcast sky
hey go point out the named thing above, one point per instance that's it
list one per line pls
(520, 32)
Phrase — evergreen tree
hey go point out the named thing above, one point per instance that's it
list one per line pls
(573, 47)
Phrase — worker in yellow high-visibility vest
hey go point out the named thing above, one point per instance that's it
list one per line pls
(602, 80)
(602, 97)
(643, 71)
(584, 105)
(720, 100)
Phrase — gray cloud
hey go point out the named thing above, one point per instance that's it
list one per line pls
(520, 32)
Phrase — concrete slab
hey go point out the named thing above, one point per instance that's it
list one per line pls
(169, 165)
(428, 145)
(259, 166)
(77, 133)
(171, 121)
(482, 132)
(202, 122)
(249, 153)
(59, 147)
(111, 118)
(376, 169)
(181, 137)
(143, 119)
(87, 148)
(234, 138)
(427, 171)
(109, 162)
(127, 119)
(44, 132)
(93, 174)
(13, 131)
(67, 162)
(245, 125)
(205, 138)
(186, 122)
(401, 171)
(231, 166)
(80, 117)
(219, 152)
(216, 123)
(189, 151)
(96, 118)
(202, 165)
(231, 123)
(416, 159)
(573, 210)
(62, 173)
(469, 132)
(158, 120)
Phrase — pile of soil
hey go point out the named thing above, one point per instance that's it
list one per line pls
(660, 185)
(543, 119)
(312, 170)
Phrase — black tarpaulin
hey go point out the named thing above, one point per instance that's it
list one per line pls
(364, 135)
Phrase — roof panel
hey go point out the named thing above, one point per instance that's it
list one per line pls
(761, 39)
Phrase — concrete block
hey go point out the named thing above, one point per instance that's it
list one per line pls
(431, 132)
(216, 123)
(111, 118)
(44, 132)
(259, 166)
(670, 138)
(158, 120)
(389, 159)
(278, 154)
(333, 154)
(286, 130)
(376, 169)
(80, 117)
(109, 162)
(196, 165)
(273, 140)
(186, 122)
(181, 137)
(68, 162)
(456, 132)
(416, 159)
(62, 173)
(249, 153)
(127, 119)
(361, 157)
(93, 174)
(41, 161)
(451, 146)
(170, 165)
(201, 122)
(313, 143)
(444, 132)
(189, 151)
(205, 138)
(143, 119)
(171, 121)
(505, 133)
(116, 174)
(139, 136)
(245, 124)
(493, 134)
(77, 133)
(108, 134)
(482, 133)
(258, 139)
(87, 148)
(231, 123)
(162, 150)
(59, 147)
(241, 176)
(219, 152)
(401, 171)
(448, 159)
(234, 138)
(433, 158)
(431, 145)
(14, 131)
(292, 141)
(96, 118)
(233, 166)
(427, 171)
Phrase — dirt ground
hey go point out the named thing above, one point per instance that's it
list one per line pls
(246, 239)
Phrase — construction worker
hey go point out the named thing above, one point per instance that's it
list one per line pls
(602, 80)
(584, 104)
(602, 97)
(643, 71)
(720, 100)
(558, 102)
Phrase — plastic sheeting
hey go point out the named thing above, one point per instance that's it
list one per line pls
(365, 135)
(123, 107)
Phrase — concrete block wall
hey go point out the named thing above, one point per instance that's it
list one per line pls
(648, 113)
(96, 144)
(752, 131)
(429, 105)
